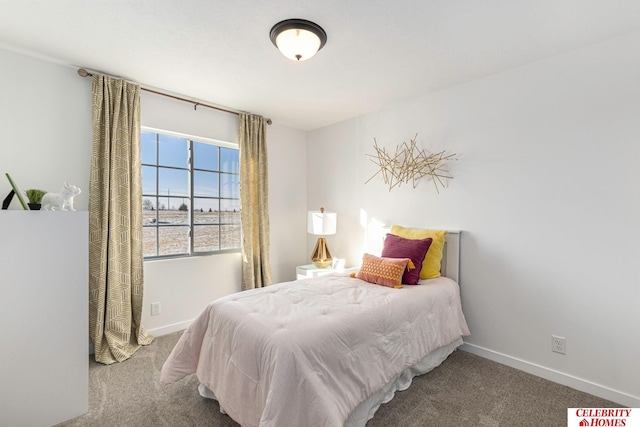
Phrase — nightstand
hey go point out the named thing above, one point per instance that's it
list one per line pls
(310, 270)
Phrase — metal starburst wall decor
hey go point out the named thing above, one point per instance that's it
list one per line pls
(408, 163)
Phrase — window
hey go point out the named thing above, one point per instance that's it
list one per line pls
(190, 195)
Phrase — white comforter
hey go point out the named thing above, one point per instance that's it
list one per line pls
(306, 353)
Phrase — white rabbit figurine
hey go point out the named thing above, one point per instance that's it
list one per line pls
(62, 201)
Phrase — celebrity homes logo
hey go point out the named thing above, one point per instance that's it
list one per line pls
(603, 417)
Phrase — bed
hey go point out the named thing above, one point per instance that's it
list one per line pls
(325, 351)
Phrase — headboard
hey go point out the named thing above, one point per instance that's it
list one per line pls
(450, 265)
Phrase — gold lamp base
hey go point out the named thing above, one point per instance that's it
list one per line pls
(321, 256)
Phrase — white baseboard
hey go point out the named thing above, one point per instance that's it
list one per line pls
(169, 329)
(555, 376)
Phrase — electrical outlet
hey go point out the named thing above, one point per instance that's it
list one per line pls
(558, 344)
(155, 308)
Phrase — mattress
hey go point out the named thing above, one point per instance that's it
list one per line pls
(309, 352)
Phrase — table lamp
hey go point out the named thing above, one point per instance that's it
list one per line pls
(321, 223)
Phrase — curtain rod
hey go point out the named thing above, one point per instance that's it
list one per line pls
(84, 73)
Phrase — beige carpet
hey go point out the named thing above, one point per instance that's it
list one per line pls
(466, 390)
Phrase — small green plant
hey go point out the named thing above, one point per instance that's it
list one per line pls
(34, 195)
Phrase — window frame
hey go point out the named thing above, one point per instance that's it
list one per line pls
(191, 170)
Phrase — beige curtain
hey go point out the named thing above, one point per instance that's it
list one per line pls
(115, 222)
(256, 266)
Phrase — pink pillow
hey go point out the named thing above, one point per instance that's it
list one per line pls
(383, 271)
(416, 250)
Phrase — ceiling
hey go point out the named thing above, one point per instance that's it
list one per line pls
(379, 52)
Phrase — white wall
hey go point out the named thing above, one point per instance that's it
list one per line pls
(545, 189)
(287, 200)
(46, 140)
(45, 111)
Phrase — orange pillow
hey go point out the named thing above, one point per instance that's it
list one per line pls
(383, 271)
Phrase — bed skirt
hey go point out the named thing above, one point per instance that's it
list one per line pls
(365, 410)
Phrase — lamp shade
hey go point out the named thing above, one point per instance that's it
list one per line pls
(298, 39)
(322, 223)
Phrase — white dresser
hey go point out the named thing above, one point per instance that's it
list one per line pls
(44, 317)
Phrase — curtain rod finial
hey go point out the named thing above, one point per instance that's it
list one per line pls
(83, 73)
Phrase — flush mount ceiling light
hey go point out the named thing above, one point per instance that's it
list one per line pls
(298, 39)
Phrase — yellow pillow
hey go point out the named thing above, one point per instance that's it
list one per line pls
(431, 263)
